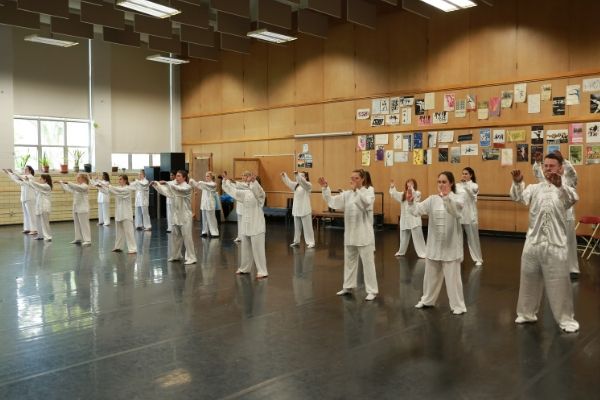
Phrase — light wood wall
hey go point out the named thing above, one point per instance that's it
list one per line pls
(242, 106)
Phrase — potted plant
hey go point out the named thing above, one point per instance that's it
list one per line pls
(22, 160)
(77, 154)
(115, 168)
(45, 163)
(64, 167)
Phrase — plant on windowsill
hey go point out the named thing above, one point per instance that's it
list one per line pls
(45, 163)
(22, 160)
(64, 167)
(115, 168)
(77, 154)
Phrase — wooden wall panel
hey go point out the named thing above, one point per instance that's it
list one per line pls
(583, 50)
(229, 152)
(256, 148)
(285, 146)
(281, 79)
(233, 127)
(339, 117)
(338, 62)
(309, 70)
(211, 128)
(308, 119)
(371, 65)
(209, 88)
(256, 125)
(256, 76)
(190, 130)
(280, 122)
(232, 82)
(448, 56)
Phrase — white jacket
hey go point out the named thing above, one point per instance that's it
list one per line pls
(407, 220)
(181, 200)
(238, 204)
(569, 178)
(122, 201)
(301, 188)
(81, 202)
(358, 214)
(102, 196)
(43, 196)
(142, 192)
(27, 194)
(252, 201)
(208, 189)
(469, 191)
(444, 232)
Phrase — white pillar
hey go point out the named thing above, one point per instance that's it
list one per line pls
(6, 98)
(175, 115)
(101, 105)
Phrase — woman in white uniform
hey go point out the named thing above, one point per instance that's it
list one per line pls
(207, 204)
(469, 189)
(81, 209)
(253, 227)
(27, 200)
(239, 209)
(142, 197)
(301, 208)
(359, 237)
(410, 225)
(444, 243)
(43, 204)
(169, 201)
(123, 213)
(180, 193)
(103, 201)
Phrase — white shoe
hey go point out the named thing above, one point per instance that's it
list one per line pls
(479, 263)
(420, 304)
(344, 292)
(86, 243)
(522, 320)
(310, 246)
(370, 297)
(294, 244)
(147, 229)
(188, 262)
(106, 224)
(570, 328)
(458, 312)
(75, 241)
(237, 240)
(132, 252)
(398, 254)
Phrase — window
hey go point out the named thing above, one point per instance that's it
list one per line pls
(120, 161)
(57, 138)
(139, 161)
(135, 161)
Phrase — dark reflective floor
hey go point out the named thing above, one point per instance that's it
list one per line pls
(85, 323)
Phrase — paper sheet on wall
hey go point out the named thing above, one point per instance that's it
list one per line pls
(381, 138)
(507, 99)
(379, 153)
(389, 158)
(361, 142)
(460, 110)
(592, 132)
(591, 85)
(576, 154)
(498, 137)
(363, 113)
(429, 156)
(576, 133)
(573, 93)
(483, 111)
(449, 101)
(397, 137)
(401, 156)
(520, 90)
(430, 101)
(407, 142)
(432, 139)
(455, 155)
(445, 136)
(366, 158)
(418, 157)
(507, 157)
(494, 106)
(406, 116)
(533, 103)
(395, 105)
(468, 149)
(546, 91)
(440, 117)
(392, 119)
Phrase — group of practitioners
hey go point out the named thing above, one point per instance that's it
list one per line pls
(550, 243)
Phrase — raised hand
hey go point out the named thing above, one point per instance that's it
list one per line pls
(282, 174)
(517, 175)
(409, 195)
(555, 179)
(392, 185)
(224, 174)
(323, 182)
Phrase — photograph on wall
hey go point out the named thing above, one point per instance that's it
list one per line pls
(300, 162)
(595, 103)
(392, 119)
(365, 159)
(576, 133)
(378, 120)
(406, 116)
(460, 109)
(498, 137)
(376, 106)
(471, 100)
(533, 103)
(537, 134)
(389, 158)
(449, 101)
(380, 153)
(485, 137)
(308, 160)
(546, 92)
(552, 148)
(535, 150)
(467, 137)
(418, 157)
(419, 106)
(381, 138)
(424, 120)
(506, 157)
(522, 152)
(495, 106)
(429, 156)
(380, 106)
(490, 154)
(592, 155)
(558, 105)
(361, 142)
(591, 85)
(432, 139)
(518, 135)
(506, 99)
(443, 154)
(363, 113)
(397, 140)
(592, 134)
(418, 140)
(557, 136)
(520, 90)
(469, 149)
(573, 94)
(407, 101)
(401, 156)
(430, 101)
(440, 117)
(407, 142)
(483, 111)
(576, 154)
(455, 155)
(395, 105)
(370, 142)
(445, 136)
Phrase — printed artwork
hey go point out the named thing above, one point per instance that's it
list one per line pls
(494, 106)
(516, 136)
(546, 92)
(592, 132)
(460, 109)
(573, 93)
(506, 99)
(406, 116)
(443, 155)
(485, 137)
(520, 90)
(507, 157)
(592, 155)
(576, 154)
(535, 150)
(377, 120)
(445, 136)
(418, 157)
(440, 117)
(418, 140)
(380, 153)
(395, 105)
(430, 101)
(424, 120)
(365, 158)
(483, 111)
(370, 143)
(419, 106)
(576, 133)
(407, 142)
(392, 119)
(401, 156)
(432, 139)
(557, 136)
(498, 137)
(465, 138)
(407, 101)
(591, 85)
(558, 105)
(469, 149)
(533, 103)
(455, 155)
(490, 154)
(361, 143)
(537, 134)
(389, 158)
(552, 148)
(595, 103)
(381, 138)
(397, 137)
(363, 113)
(449, 102)
(522, 152)
(471, 102)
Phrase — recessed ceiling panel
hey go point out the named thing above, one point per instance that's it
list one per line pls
(194, 15)
(232, 24)
(153, 26)
(57, 8)
(125, 37)
(198, 36)
(72, 27)
(171, 45)
(105, 15)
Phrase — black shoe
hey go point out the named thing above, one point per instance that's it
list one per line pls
(168, 231)
(574, 276)
(139, 228)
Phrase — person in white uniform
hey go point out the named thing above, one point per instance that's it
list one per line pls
(81, 209)
(208, 188)
(444, 243)
(545, 250)
(359, 237)
(142, 199)
(43, 204)
(169, 201)
(180, 192)
(103, 201)
(410, 225)
(27, 200)
(301, 208)
(123, 213)
(253, 227)
(470, 222)
(239, 209)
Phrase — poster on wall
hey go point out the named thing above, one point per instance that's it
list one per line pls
(495, 106)
(455, 155)
(445, 136)
(552, 148)
(485, 137)
(440, 117)
(429, 156)
(401, 156)
(558, 105)
(392, 119)
(483, 111)
(397, 138)
(576, 133)
(381, 138)
(537, 134)
(498, 137)
(418, 157)
(471, 100)
(467, 137)
(377, 120)
(449, 101)
(380, 153)
(419, 106)
(406, 142)
(595, 103)
(592, 155)
(522, 152)
(380, 106)
(305, 160)
(469, 149)
(432, 139)
(536, 151)
(460, 110)
(533, 103)
(592, 132)
(546, 92)
(389, 158)
(363, 113)
(557, 136)
(443, 154)
(576, 154)
(591, 85)
(507, 157)
(406, 116)
(424, 120)
(490, 154)
(506, 99)
(573, 93)
(516, 136)
(407, 101)
(365, 158)
(395, 105)
(430, 101)
(418, 140)
(361, 142)
(370, 142)
(520, 90)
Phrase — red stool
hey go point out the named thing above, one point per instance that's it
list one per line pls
(592, 242)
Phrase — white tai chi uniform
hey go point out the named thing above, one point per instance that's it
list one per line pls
(469, 218)
(444, 249)
(27, 204)
(569, 178)
(301, 209)
(239, 209)
(181, 208)
(410, 225)
(545, 252)
(142, 199)
(103, 204)
(253, 227)
(81, 211)
(123, 216)
(169, 201)
(43, 206)
(207, 206)
(359, 237)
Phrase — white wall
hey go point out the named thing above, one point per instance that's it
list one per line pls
(6, 99)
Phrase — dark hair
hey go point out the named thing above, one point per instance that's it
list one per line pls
(183, 173)
(406, 185)
(30, 169)
(450, 177)
(366, 176)
(471, 172)
(141, 172)
(125, 178)
(105, 176)
(47, 178)
(557, 157)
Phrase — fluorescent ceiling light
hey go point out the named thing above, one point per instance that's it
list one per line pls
(268, 36)
(166, 59)
(49, 40)
(450, 5)
(324, 134)
(463, 3)
(148, 7)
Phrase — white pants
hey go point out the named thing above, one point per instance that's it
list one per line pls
(366, 254)
(125, 233)
(304, 223)
(572, 259)
(104, 213)
(142, 217)
(253, 250)
(418, 241)
(544, 265)
(209, 223)
(29, 219)
(239, 226)
(472, 231)
(169, 218)
(81, 221)
(436, 272)
(182, 236)
(43, 223)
